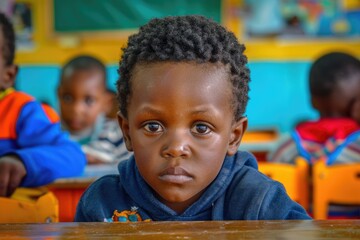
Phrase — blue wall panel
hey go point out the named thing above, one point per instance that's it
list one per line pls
(39, 81)
(42, 81)
(278, 95)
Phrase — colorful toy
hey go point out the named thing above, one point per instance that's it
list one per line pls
(126, 216)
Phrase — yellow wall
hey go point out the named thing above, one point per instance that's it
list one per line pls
(57, 49)
(54, 49)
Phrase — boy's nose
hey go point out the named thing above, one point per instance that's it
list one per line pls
(176, 145)
(78, 107)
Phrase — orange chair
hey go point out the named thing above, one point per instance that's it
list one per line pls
(334, 184)
(259, 142)
(29, 205)
(295, 178)
(68, 193)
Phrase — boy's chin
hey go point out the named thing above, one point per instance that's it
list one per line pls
(79, 130)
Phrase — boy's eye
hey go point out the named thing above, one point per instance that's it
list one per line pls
(89, 100)
(153, 127)
(201, 129)
(67, 98)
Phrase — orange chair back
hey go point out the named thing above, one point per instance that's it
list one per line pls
(295, 178)
(259, 142)
(29, 205)
(335, 184)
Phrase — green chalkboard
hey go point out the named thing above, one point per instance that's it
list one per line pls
(95, 15)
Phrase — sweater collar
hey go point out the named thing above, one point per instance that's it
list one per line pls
(144, 197)
(6, 92)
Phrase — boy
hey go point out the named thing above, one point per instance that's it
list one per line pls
(83, 102)
(183, 90)
(33, 150)
(334, 81)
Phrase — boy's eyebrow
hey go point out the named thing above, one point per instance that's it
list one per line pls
(201, 111)
(206, 113)
(149, 110)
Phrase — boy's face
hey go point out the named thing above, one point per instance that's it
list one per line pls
(7, 73)
(344, 101)
(351, 90)
(82, 96)
(181, 126)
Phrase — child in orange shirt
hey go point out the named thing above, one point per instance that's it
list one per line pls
(33, 149)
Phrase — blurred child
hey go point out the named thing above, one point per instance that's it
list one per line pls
(33, 149)
(335, 93)
(183, 90)
(84, 100)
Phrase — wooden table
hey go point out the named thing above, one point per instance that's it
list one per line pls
(320, 229)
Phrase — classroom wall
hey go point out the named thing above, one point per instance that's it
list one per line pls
(279, 95)
(278, 90)
(279, 67)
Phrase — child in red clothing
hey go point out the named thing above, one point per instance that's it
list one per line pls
(335, 92)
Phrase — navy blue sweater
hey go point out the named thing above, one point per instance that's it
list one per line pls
(239, 192)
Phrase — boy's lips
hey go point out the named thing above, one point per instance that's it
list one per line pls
(175, 175)
(76, 124)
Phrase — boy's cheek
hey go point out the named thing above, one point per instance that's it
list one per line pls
(355, 111)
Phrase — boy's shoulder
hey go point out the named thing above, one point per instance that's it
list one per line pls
(107, 179)
(104, 187)
(16, 99)
(250, 194)
(247, 178)
(11, 106)
(251, 179)
(15, 102)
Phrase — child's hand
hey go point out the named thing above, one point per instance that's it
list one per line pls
(12, 171)
(93, 160)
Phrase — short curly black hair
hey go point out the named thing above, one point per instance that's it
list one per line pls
(82, 63)
(329, 69)
(190, 38)
(8, 34)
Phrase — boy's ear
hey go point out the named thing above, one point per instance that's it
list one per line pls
(238, 130)
(320, 104)
(124, 125)
(10, 75)
(58, 91)
(315, 102)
